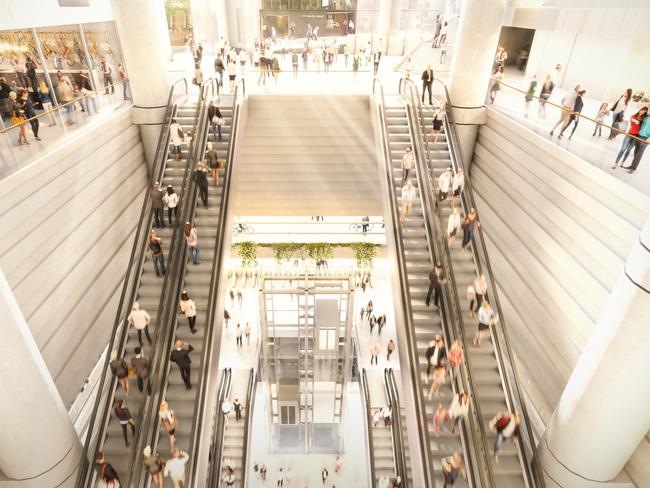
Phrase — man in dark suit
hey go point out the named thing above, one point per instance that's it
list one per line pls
(436, 279)
(427, 80)
(181, 356)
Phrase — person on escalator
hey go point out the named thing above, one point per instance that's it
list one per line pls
(156, 196)
(121, 371)
(157, 256)
(469, 224)
(216, 119)
(444, 184)
(106, 472)
(452, 466)
(125, 419)
(458, 410)
(407, 164)
(181, 356)
(140, 320)
(506, 426)
(438, 121)
(486, 318)
(153, 464)
(213, 163)
(201, 179)
(169, 422)
(480, 294)
(175, 468)
(170, 198)
(141, 366)
(436, 354)
(453, 226)
(457, 186)
(436, 280)
(192, 239)
(408, 197)
(188, 308)
(176, 138)
(455, 359)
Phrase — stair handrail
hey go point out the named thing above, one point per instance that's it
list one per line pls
(365, 403)
(514, 395)
(131, 283)
(250, 393)
(396, 426)
(450, 293)
(148, 432)
(216, 444)
(405, 298)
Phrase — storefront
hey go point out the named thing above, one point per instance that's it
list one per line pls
(31, 56)
(307, 18)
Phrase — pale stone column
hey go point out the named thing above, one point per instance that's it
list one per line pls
(475, 44)
(40, 446)
(603, 413)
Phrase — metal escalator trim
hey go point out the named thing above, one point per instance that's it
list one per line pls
(216, 445)
(405, 298)
(250, 393)
(365, 403)
(399, 451)
(131, 284)
(148, 432)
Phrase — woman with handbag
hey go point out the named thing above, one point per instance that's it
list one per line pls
(18, 118)
(618, 112)
(124, 417)
(216, 119)
(169, 423)
(213, 163)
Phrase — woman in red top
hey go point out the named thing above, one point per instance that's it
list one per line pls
(635, 126)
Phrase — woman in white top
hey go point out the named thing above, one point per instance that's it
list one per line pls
(189, 309)
(457, 186)
(171, 200)
(458, 410)
(176, 137)
(453, 226)
(408, 197)
(169, 422)
(444, 184)
(407, 164)
(192, 239)
(486, 318)
(232, 73)
(140, 320)
(480, 291)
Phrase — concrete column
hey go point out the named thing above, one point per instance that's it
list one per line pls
(146, 47)
(603, 413)
(40, 447)
(382, 28)
(471, 67)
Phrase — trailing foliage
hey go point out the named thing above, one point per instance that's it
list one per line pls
(319, 251)
(248, 253)
(283, 251)
(364, 253)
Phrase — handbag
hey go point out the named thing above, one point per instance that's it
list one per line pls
(219, 121)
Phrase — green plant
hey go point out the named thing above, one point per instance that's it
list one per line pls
(285, 250)
(364, 252)
(247, 252)
(319, 251)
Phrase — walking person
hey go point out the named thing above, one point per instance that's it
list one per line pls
(155, 247)
(387, 414)
(458, 410)
(153, 465)
(170, 198)
(408, 197)
(376, 59)
(18, 118)
(453, 226)
(381, 321)
(530, 93)
(192, 239)
(181, 356)
(375, 350)
(229, 477)
(495, 87)
(237, 406)
(575, 114)
(28, 109)
(188, 308)
(486, 318)
(324, 475)
(219, 68)
(65, 95)
(226, 408)
(169, 422)
(547, 88)
(213, 163)
(232, 74)
(201, 180)
(440, 416)
(157, 203)
(438, 121)
(46, 101)
(175, 468)
(568, 102)
(600, 118)
(444, 184)
(238, 336)
(141, 366)
(469, 225)
(640, 144)
(120, 370)
(407, 163)
(618, 112)
(176, 138)
(628, 143)
(216, 120)
(125, 419)
(106, 472)
(506, 426)
(107, 72)
(124, 79)
(480, 292)
(390, 348)
(140, 320)
(427, 81)
(439, 377)
(455, 359)
(452, 466)
(435, 354)
(436, 280)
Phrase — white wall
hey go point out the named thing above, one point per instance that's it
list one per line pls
(40, 13)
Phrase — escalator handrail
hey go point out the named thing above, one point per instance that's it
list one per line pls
(396, 426)
(134, 267)
(365, 401)
(514, 394)
(252, 380)
(218, 260)
(405, 295)
(148, 432)
(216, 446)
(450, 295)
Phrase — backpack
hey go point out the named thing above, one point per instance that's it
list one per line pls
(644, 132)
(155, 246)
(502, 423)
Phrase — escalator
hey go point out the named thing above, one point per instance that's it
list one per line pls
(415, 245)
(142, 285)
(492, 366)
(201, 281)
(400, 438)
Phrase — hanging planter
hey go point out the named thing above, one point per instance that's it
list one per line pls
(248, 253)
(364, 253)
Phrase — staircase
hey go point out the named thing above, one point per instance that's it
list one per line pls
(488, 387)
(148, 296)
(197, 284)
(308, 155)
(234, 436)
(427, 321)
